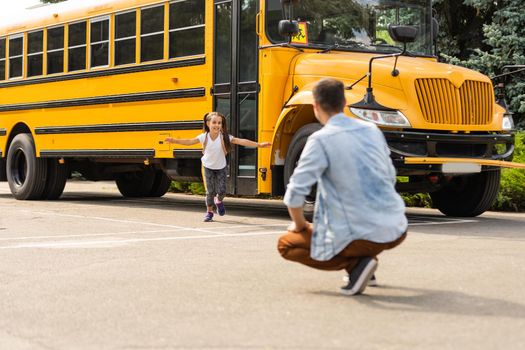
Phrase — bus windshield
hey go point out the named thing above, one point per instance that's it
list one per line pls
(354, 25)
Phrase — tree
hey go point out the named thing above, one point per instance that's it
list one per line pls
(506, 37)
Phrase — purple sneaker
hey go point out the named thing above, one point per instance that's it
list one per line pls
(208, 217)
(220, 207)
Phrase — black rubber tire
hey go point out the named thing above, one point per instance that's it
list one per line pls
(161, 185)
(469, 195)
(3, 175)
(136, 184)
(294, 153)
(57, 175)
(26, 174)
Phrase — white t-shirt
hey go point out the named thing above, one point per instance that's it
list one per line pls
(213, 157)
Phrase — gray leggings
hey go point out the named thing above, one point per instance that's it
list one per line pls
(215, 182)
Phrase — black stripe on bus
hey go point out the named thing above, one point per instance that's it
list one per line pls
(107, 72)
(105, 153)
(128, 127)
(76, 102)
(187, 153)
(3, 132)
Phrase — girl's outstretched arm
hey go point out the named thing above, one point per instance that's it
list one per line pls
(187, 142)
(249, 143)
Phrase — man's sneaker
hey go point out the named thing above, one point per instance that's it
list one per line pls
(208, 217)
(371, 283)
(220, 207)
(359, 276)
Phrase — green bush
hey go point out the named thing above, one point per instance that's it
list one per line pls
(417, 200)
(511, 196)
(187, 187)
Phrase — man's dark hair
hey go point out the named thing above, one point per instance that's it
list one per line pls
(329, 94)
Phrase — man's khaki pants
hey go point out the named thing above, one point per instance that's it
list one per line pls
(295, 246)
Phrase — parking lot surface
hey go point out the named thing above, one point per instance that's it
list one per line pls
(96, 271)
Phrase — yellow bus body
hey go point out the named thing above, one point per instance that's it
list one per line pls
(123, 113)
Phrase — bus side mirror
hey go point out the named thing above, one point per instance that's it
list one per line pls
(288, 28)
(403, 34)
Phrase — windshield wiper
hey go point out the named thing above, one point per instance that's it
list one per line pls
(329, 48)
(346, 45)
(387, 46)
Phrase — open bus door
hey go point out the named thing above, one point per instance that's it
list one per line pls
(235, 87)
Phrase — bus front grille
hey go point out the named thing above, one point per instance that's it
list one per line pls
(442, 103)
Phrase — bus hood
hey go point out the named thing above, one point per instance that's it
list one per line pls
(431, 95)
(351, 66)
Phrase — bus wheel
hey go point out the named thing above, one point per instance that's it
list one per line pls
(294, 153)
(136, 184)
(57, 175)
(468, 195)
(161, 185)
(26, 173)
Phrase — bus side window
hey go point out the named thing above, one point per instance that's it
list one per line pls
(99, 42)
(152, 33)
(125, 37)
(35, 53)
(55, 50)
(16, 54)
(186, 28)
(2, 59)
(77, 46)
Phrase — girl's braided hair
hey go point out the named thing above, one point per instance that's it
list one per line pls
(225, 135)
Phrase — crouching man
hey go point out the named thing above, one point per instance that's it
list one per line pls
(358, 212)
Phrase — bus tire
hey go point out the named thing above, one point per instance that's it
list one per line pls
(26, 174)
(294, 153)
(3, 175)
(468, 196)
(161, 185)
(57, 175)
(136, 184)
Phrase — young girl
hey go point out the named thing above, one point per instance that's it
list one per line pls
(216, 143)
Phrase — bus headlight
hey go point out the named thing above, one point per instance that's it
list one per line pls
(508, 122)
(387, 118)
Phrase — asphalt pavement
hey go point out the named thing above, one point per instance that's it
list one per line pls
(96, 271)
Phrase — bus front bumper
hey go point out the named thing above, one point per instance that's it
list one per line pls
(459, 163)
(420, 153)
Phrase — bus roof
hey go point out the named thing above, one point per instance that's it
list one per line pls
(72, 10)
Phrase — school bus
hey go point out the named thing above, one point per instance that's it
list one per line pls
(95, 87)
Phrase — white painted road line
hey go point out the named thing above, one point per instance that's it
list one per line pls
(103, 243)
(441, 222)
(99, 218)
(26, 238)
(85, 235)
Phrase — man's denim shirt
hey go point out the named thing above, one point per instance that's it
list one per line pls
(356, 197)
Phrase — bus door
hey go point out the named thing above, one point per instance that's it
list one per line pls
(235, 87)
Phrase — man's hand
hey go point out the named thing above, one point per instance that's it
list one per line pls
(299, 223)
(301, 227)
